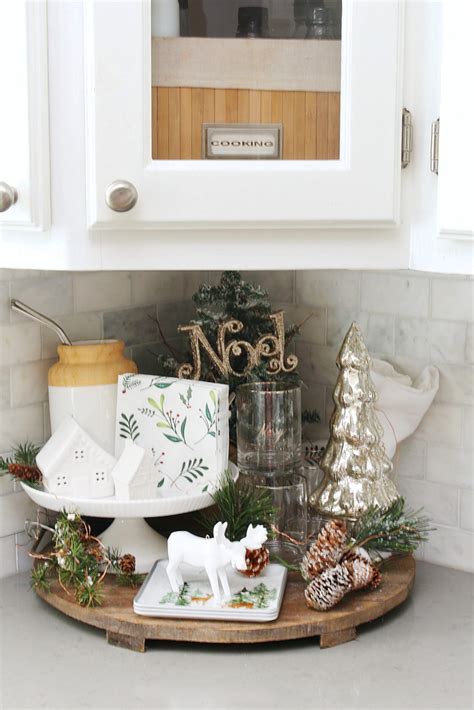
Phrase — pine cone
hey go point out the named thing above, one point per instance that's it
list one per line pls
(256, 561)
(25, 473)
(96, 551)
(362, 572)
(326, 551)
(376, 579)
(327, 590)
(127, 564)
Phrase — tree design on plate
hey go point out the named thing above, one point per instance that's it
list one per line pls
(181, 598)
(259, 597)
(262, 595)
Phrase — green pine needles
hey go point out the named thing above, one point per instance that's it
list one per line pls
(22, 464)
(24, 455)
(239, 503)
(391, 529)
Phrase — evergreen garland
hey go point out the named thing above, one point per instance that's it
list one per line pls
(80, 562)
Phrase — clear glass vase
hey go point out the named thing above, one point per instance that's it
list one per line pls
(268, 428)
(289, 497)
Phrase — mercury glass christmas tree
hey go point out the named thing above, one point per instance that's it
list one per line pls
(355, 464)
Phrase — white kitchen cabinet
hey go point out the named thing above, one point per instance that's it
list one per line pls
(456, 138)
(361, 188)
(95, 70)
(438, 204)
(24, 137)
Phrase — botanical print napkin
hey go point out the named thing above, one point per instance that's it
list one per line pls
(183, 423)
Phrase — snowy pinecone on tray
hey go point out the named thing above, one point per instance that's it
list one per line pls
(326, 551)
(337, 564)
(333, 569)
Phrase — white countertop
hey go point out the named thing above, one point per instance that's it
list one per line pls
(418, 656)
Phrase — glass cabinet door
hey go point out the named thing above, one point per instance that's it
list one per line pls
(243, 113)
(246, 79)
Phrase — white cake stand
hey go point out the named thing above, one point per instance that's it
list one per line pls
(128, 532)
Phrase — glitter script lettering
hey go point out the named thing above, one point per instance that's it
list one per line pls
(270, 347)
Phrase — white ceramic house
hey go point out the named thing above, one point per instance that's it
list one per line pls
(73, 465)
(135, 475)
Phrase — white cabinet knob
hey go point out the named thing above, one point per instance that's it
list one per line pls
(121, 196)
(8, 196)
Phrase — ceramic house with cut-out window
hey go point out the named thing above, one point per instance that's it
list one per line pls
(74, 466)
(135, 475)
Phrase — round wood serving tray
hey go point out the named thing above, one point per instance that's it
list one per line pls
(125, 628)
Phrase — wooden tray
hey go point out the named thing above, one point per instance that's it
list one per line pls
(126, 629)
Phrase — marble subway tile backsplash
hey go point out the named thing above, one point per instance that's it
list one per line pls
(401, 295)
(138, 325)
(99, 291)
(411, 319)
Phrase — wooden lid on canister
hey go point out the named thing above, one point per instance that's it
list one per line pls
(88, 363)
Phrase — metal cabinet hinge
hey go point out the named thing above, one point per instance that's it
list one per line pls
(434, 147)
(407, 137)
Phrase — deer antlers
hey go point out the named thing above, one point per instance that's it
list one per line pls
(255, 537)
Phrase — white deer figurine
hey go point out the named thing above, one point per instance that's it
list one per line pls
(212, 553)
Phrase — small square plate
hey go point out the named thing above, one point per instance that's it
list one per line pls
(253, 599)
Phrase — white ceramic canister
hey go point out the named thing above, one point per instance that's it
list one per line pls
(83, 384)
(164, 18)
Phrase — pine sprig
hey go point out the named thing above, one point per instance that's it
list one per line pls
(24, 454)
(40, 576)
(131, 579)
(239, 504)
(22, 464)
(391, 529)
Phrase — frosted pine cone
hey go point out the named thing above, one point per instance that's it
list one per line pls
(327, 590)
(326, 551)
(256, 561)
(363, 573)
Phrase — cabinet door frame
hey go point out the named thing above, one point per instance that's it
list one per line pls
(456, 152)
(24, 123)
(362, 189)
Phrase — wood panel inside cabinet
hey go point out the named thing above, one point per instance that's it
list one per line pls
(310, 119)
